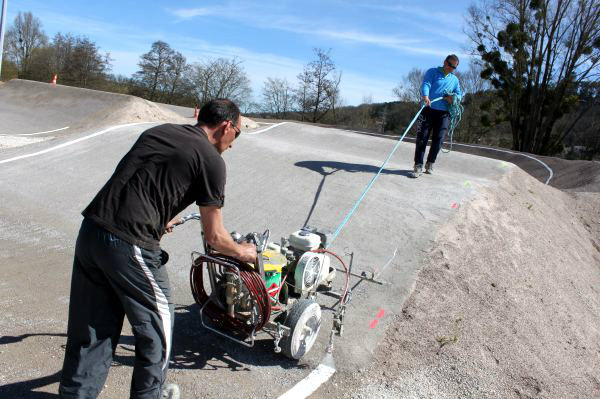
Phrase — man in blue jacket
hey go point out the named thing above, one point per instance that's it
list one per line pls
(435, 118)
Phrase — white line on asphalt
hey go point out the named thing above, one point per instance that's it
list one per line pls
(268, 128)
(514, 153)
(48, 131)
(551, 172)
(68, 143)
(313, 381)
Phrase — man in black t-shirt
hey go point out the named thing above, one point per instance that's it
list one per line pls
(117, 269)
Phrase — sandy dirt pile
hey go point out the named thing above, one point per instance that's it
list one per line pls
(507, 304)
(82, 108)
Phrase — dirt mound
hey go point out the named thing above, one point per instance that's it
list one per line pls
(80, 108)
(507, 304)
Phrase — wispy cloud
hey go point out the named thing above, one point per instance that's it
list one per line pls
(187, 13)
(263, 19)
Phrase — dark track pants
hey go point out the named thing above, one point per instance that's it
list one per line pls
(112, 278)
(432, 121)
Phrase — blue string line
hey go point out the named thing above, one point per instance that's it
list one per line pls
(349, 215)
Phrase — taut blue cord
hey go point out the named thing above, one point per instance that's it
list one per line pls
(349, 215)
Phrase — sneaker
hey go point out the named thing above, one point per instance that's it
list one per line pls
(170, 391)
(417, 171)
(429, 168)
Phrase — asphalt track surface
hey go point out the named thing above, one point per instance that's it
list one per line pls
(280, 179)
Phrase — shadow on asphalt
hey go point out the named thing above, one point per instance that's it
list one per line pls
(26, 389)
(327, 168)
(196, 348)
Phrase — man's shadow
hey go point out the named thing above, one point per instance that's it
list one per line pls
(25, 389)
(327, 168)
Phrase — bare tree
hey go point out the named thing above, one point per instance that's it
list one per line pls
(221, 78)
(471, 81)
(535, 53)
(302, 95)
(77, 60)
(22, 39)
(86, 63)
(277, 96)
(318, 75)
(410, 88)
(62, 46)
(153, 66)
(332, 90)
(175, 74)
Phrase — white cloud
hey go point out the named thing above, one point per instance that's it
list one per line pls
(263, 19)
(187, 13)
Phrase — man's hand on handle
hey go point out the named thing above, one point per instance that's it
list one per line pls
(175, 221)
(449, 99)
(247, 252)
(426, 101)
(218, 238)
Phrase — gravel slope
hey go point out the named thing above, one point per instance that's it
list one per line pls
(507, 304)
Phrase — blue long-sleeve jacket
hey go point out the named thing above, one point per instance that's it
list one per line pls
(436, 84)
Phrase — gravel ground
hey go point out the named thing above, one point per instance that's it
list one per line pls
(506, 305)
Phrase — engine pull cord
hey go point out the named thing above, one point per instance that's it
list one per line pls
(349, 215)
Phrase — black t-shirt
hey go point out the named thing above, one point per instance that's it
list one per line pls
(168, 168)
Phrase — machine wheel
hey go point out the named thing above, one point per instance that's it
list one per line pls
(304, 321)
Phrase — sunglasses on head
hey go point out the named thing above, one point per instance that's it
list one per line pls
(451, 66)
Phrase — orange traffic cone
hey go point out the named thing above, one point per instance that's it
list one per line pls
(54, 79)
(196, 111)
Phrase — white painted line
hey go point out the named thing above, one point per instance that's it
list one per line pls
(268, 128)
(311, 383)
(551, 172)
(48, 131)
(267, 123)
(68, 143)
(373, 134)
(377, 274)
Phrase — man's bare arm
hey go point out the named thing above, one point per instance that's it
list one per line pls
(171, 224)
(217, 237)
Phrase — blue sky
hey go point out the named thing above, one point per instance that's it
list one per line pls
(373, 43)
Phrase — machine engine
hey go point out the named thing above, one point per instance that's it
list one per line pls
(306, 269)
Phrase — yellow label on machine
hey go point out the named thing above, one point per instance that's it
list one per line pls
(273, 261)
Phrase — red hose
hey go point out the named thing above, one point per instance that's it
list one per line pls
(319, 251)
(217, 314)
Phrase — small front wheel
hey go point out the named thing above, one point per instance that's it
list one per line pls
(304, 321)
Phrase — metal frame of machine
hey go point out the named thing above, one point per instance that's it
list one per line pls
(240, 304)
(276, 295)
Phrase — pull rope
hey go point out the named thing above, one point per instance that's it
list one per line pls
(349, 215)
(456, 110)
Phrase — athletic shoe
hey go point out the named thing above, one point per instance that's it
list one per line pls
(429, 168)
(417, 171)
(170, 391)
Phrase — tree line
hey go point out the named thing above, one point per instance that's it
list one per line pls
(532, 86)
